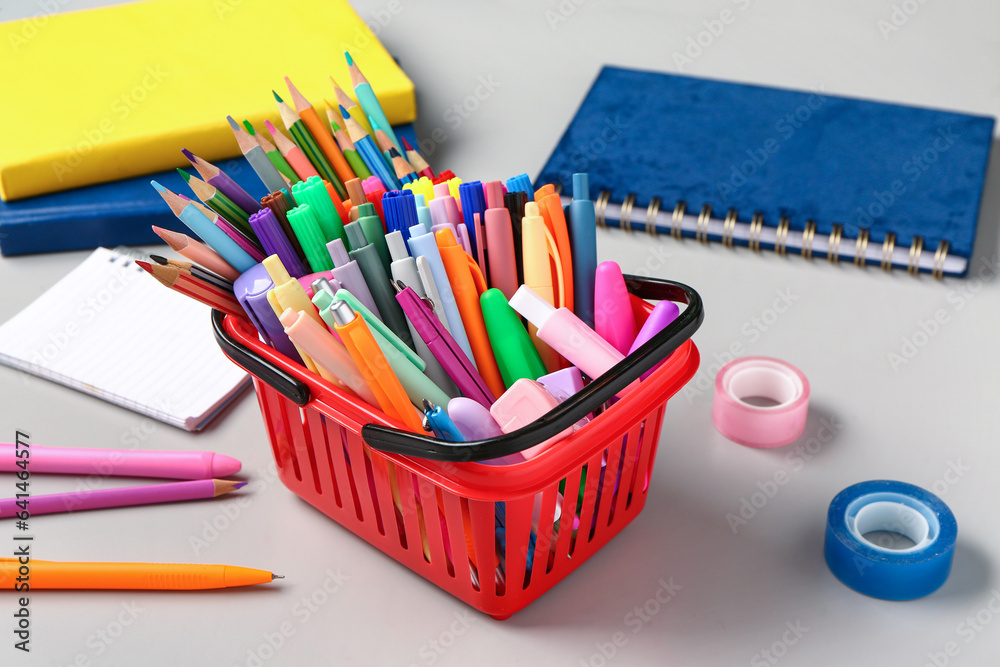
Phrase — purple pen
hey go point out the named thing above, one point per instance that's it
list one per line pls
(444, 348)
(347, 271)
(272, 238)
(663, 314)
(476, 423)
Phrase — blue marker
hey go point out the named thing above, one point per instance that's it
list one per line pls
(583, 242)
(440, 423)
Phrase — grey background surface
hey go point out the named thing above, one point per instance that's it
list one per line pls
(930, 421)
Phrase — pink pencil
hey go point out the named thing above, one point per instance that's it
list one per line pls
(197, 252)
(119, 462)
(122, 497)
(293, 154)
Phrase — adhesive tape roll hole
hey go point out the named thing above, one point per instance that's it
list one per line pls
(760, 402)
(890, 509)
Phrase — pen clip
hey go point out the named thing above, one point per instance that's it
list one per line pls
(555, 259)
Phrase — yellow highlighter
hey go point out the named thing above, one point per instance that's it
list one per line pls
(539, 255)
(288, 293)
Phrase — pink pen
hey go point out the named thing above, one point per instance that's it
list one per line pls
(121, 462)
(500, 241)
(613, 319)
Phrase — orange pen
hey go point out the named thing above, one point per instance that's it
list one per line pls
(321, 133)
(544, 191)
(42, 574)
(555, 220)
(467, 283)
(374, 367)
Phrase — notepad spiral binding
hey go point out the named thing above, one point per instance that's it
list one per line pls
(702, 226)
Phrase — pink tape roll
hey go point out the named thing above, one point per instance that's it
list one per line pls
(754, 425)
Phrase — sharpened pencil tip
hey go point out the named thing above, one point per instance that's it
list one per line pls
(350, 60)
(276, 96)
(249, 126)
(233, 124)
(188, 154)
(343, 111)
(159, 259)
(406, 144)
(393, 152)
(186, 176)
(239, 485)
(159, 188)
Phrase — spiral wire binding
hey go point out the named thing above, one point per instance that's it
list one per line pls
(834, 242)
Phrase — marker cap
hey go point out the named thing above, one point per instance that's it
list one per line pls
(532, 307)
(338, 253)
(397, 245)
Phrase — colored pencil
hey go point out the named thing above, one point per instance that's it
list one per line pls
(305, 141)
(170, 276)
(347, 147)
(262, 166)
(47, 574)
(218, 179)
(251, 246)
(188, 268)
(197, 252)
(404, 170)
(369, 151)
(417, 160)
(220, 203)
(293, 154)
(205, 229)
(273, 154)
(147, 494)
(122, 462)
(345, 100)
(322, 134)
(369, 102)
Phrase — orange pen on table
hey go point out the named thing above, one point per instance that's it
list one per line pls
(467, 284)
(18, 575)
(374, 367)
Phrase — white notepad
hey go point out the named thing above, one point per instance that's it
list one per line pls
(111, 330)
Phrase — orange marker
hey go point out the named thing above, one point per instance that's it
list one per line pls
(129, 576)
(321, 133)
(374, 367)
(544, 191)
(467, 283)
(555, 220)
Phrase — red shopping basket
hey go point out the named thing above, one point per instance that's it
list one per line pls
(433, 508)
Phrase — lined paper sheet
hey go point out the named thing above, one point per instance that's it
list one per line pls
(110, 330)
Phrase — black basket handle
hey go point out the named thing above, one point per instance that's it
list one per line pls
(283, 382)
(563, 416)
(566, 414)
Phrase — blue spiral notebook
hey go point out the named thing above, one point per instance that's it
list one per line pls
(120, 213)
(792, 171)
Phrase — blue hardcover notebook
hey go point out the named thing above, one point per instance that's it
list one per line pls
(120, 213)
(809, 172)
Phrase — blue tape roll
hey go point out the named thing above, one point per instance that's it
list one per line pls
(896, 507)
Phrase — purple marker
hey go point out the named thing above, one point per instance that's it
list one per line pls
(444, 348)
(663, 314)
(347, 271)
(251, 290)
(476, 423)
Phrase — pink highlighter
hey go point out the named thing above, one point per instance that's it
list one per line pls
(613, 319)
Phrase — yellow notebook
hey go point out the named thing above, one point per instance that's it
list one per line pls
(104, 94)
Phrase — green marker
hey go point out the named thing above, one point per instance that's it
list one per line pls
(374, 231)
(307, 231)
(313, 192)
(381, 289)
(516, 355)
